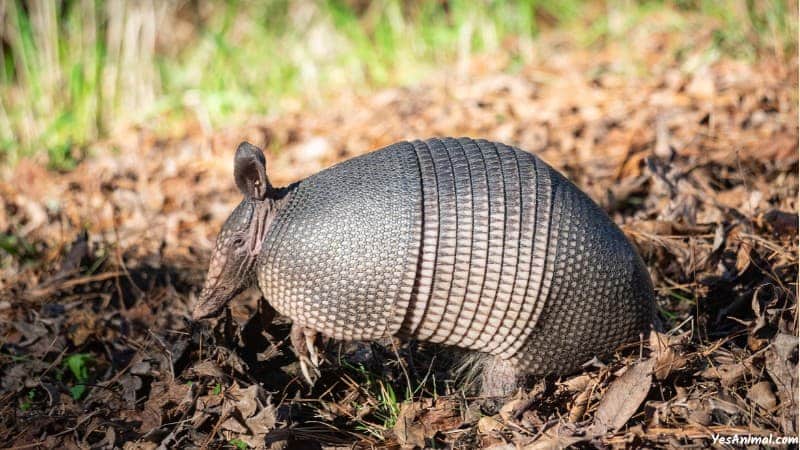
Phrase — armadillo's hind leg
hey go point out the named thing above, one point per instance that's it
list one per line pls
(303, 340)
(500, 378)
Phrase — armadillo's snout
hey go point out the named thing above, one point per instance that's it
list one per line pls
(214, 297)
(204, 307)
(218, 289)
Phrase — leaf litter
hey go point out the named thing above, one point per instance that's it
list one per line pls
(697, 161)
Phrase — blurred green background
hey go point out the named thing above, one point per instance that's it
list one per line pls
(74, 71)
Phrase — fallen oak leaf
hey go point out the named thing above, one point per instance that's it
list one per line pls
(246, 415)
(421, 420)
(167, 399)
(578, 383)
(780, 223)
(207, 368)
(489, 424)
(263, 422)
(761, 394)
(781, 364)
(579, 405)
(242, 401)
(728, 374)
(558, 437)
(667, 358)
(623, 397)
(203, 409)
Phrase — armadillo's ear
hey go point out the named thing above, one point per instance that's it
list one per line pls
(250, 171)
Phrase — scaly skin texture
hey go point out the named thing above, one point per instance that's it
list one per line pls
(460, 242)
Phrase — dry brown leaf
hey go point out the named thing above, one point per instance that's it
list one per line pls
(702, 85)
(263, 422)
(144, 445)
(488, 425)
(240, 401)
(623, 397)
(509, 408)
(666, 350)
(556, 438)
(421, 420)
(202, 407)
(167, 399)
(82, 325)
(743, 257)
(728, 374)
(761, 394)
(781, 223)
(206, 368)
(78, 253)
(781, 362)
(501, 446)
(579, 405)
(246, 415)
(699, 412)
(578, 383)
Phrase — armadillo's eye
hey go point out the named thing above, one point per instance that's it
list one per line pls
(238, 242)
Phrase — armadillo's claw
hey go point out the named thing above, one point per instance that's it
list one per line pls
(303, 341)
(304, 369)
(312, 375)
(312, 348)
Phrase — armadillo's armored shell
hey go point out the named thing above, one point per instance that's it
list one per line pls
(341, 256)
(461, 242)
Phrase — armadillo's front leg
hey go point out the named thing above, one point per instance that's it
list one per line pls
(303, 341)
(500, 378)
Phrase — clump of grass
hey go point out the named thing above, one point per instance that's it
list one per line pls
(78, 366)
(27, 403)
(239, 444)
(76, 70)
(13, 246)
(382, 401)
(71, 70)
(748, 27)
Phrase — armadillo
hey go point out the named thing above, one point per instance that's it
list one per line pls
(461, 242)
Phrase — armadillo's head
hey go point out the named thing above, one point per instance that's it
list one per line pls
(231, 269)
